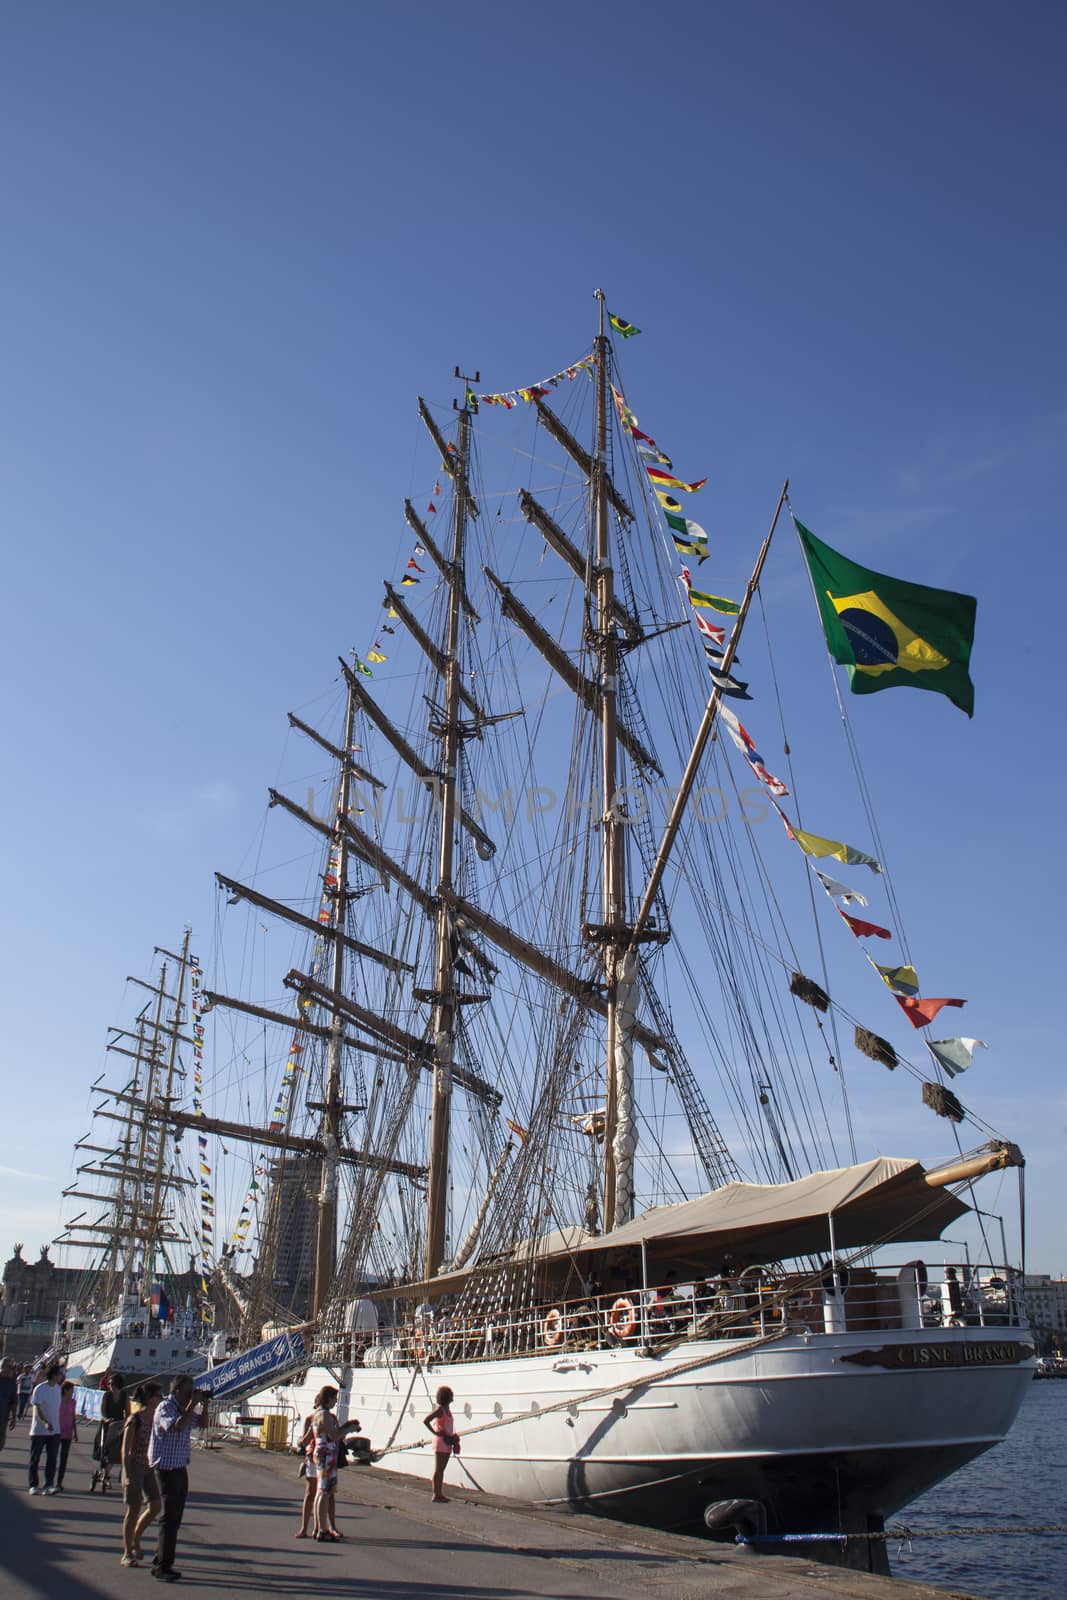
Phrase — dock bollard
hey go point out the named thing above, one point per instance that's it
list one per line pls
(746, 1517)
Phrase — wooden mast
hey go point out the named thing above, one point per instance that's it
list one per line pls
(333, 1107)
(444, 1004)
(587, 689)
(613, 932)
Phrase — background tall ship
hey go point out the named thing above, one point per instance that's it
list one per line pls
(539, 936)
(141, 1306)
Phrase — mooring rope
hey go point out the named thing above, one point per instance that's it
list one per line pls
(376, 1455)
(593, 1394)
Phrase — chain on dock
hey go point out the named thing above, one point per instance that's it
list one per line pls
(903, 1536)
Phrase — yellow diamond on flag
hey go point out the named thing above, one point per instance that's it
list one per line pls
(879, 640)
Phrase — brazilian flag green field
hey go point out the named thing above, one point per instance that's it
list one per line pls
(889, 633)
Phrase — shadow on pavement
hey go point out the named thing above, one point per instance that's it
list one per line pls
(350, 1587)
(67, 1548)
(28, 1560)
(459, 1545)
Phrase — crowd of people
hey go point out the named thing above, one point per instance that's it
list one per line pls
(145, 1436)
(140, 1433)
(326, 1444)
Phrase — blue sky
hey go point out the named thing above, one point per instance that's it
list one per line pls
(238, 241)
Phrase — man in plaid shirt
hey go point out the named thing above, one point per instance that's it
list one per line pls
(168, 1454)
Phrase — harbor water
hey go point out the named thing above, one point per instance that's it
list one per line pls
(1021, 1483)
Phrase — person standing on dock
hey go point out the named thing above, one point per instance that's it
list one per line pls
(323, 1445)
(446, 1440)
(325, 1437)
(107, 1447)
(68, 1429)
(168, 1456)
(307, 1511)
(139, 1482)
(9, 1399)
(25, 1388)
(44, 1429)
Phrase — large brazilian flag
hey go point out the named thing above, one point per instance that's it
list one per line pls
(890, 633)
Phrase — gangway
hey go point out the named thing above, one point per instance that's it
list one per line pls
(261, 1367)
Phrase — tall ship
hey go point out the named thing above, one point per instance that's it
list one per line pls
(140, 1306)
(560, 1106)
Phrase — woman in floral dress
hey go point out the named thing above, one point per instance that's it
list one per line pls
(324, 1437)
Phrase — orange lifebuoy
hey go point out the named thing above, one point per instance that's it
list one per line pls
(622, 1319)
(552, 1329)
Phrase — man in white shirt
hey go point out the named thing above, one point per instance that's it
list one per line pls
(44, 1429)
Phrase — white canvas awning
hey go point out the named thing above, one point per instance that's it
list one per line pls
(884, 1201)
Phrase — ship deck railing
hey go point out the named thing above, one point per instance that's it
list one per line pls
(856, 1298)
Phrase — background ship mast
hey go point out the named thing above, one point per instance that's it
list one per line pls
(140, 1187)
(161, 1178)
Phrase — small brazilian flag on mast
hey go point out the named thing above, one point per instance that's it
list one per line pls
(624, 329)
(890, 633)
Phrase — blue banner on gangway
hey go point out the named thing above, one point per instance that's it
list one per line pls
(254, 1368)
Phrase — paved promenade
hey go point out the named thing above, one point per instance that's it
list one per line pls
(237, 1538)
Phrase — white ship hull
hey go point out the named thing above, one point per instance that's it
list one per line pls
(136, 1358)
(823, 1441)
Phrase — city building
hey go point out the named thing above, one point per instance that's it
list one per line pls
(298, 1179)
(1045, 1300)
(33, 1296)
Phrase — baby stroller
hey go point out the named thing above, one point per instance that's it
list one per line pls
(107, 1453)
